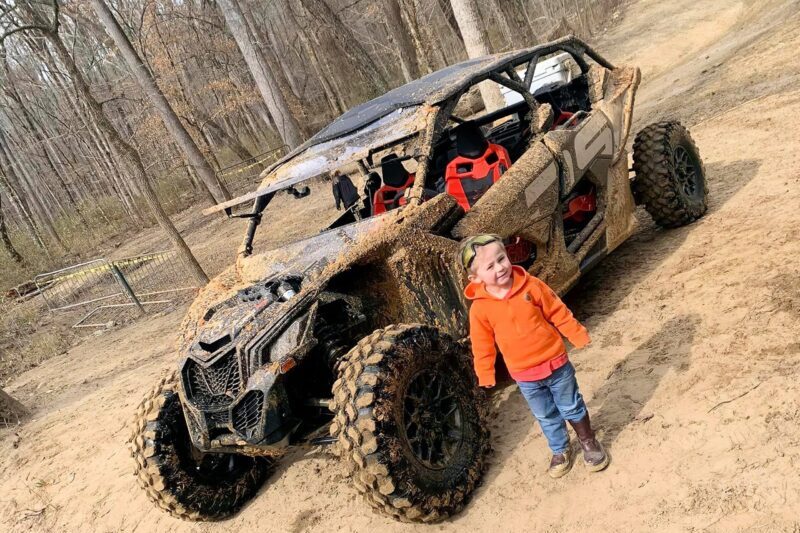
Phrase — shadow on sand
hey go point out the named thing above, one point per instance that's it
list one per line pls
(600, 291)
(634, 380)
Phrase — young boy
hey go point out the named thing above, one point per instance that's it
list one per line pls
(525, 318)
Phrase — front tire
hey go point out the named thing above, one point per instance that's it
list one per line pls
(180, 480)
(670, 178)
(411, 422)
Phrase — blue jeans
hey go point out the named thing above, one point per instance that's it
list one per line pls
(553, 400)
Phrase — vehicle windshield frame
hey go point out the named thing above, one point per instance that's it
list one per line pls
(391, 129)
(419, 124)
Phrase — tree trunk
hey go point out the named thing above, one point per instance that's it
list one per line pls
(7, 244)
(401, 38)
(477, 44)
(523, 23)
(128, 154)
(11, 411)
(190, 150)
(23, 213)
(345, 40)
(291, 77)
(448, 11)
(100, 156)
(26, 192)
(273, 66)
(500, 21)
(409, 14)
(432, 35)
(205, 128)
(288, 127)
(36, 130)
(332, 93)
(32, 178)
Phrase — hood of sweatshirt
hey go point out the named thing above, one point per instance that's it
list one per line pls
(477, 290)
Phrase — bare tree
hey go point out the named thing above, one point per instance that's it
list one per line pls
(493, 10)
(28, 123)
(346, 41)
(190, 150)
(287, 125)
(131, 158)
(477, 43)
(8, 246)
(334, 97)
(447, 10)
(23, 212)
(400, 36)
(31, 199)
(273, 64)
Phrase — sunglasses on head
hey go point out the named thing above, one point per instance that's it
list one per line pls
(471, 248)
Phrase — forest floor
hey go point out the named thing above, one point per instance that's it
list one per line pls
(691, 375)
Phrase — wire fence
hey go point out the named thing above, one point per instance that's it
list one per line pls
(244, 174)
(110, 292)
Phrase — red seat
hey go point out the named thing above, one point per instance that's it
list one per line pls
(562, 118)
(388, 197)
(581, 207)
(396, 179)
(478, 165)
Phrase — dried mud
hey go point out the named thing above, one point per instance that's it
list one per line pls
(690, 376)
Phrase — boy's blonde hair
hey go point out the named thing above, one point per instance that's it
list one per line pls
(467, 249)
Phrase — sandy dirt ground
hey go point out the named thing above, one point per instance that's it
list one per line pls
(691, 374)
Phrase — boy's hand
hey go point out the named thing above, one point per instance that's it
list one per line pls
(581, 339)
(488, 386)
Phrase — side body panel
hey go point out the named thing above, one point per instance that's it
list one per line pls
(527, 201)
(617, 105)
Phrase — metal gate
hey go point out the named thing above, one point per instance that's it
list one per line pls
(109, 291)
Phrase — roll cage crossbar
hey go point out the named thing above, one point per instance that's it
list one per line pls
(503, 73)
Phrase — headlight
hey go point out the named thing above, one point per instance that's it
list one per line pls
(286, 291)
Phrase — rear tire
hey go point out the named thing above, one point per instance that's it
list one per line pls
(670, 178)
(411, 422)
(186, 484)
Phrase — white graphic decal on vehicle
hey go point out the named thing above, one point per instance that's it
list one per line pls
(540, 185)
(593, 140)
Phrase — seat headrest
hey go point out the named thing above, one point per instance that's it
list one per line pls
(470, 141)
(394, 173)
(373, 180)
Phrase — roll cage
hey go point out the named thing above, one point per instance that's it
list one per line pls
(434, 96)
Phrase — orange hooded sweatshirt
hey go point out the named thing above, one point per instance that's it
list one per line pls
(525, 325)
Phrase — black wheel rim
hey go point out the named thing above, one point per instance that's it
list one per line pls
(687, 171)
(433, 419)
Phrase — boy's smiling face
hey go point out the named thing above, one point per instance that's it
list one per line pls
(491, 267)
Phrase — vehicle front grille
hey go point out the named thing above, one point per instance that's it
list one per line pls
(216, 386)
(247, 414)
(217, 418)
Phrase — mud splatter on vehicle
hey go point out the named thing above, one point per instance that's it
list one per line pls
(349, 337)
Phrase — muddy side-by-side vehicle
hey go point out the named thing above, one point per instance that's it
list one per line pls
(355, 337)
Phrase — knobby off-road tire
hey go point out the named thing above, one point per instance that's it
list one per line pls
(183, 483)
(411, 422)
(670, 178)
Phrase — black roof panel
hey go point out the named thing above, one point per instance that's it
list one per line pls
(425, 89)
(433, 89)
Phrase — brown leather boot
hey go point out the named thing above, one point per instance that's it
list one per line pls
(594, 455)
(560, 464)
